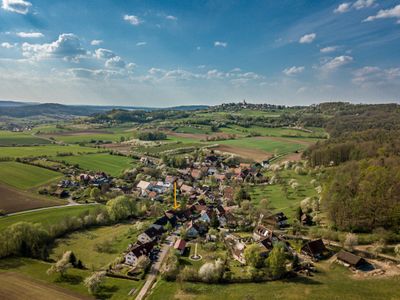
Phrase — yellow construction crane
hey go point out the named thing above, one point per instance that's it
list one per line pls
(176, 205)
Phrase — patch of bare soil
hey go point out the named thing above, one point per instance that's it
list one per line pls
(252, 154)
(13, 200)
(292, 157)
(15, 286)
(382, 269)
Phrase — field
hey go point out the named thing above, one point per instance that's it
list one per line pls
(32, 273)
(13, 200)
(83, 244)
(110, 164)
(8, 138)
(25, 176)
(330, 282)
(46, 217)
(88, 136)
(51, 150)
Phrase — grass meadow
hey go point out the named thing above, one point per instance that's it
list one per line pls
(51, 150)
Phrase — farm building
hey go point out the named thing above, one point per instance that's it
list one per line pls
(350, 259)
(315, 249)
(180, 245)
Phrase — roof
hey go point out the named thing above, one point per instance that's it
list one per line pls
(142, 249)
(186, 188)
(314, 248)
(180, 244)
(349, 258)
(153, 231)
(196, 173)
(143, 184)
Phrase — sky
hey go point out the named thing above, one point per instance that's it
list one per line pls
(165, 53)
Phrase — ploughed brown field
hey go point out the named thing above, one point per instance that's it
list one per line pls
(247, 153)
(12, 200)
(17, 287)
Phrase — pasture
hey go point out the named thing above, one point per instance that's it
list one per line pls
(89, 136)
(25, 176)
(330, 282)
(8, 138)
(103, 162)
(50, 150)
(47, 217)
(14, 200)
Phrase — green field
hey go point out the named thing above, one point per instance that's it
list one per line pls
(105, 162)
(265, 144)
(330, 282)
(8, 138)
(25, 176)
(276, 132)
(83, 244)
(88, 138)
(113, 288)
(46, 217)
(51, 150)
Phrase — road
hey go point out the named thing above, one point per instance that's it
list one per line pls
(46, 208)
(155, 268)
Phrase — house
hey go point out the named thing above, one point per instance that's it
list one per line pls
(195, 229)
(170, 179)
(180, 245)
(196, 174)
(206, 215)
(227, 220)
(261, 232)
(61, 193)
(315, 249)
(350, 259)
(220, 177)
(278, 220)
(150, 234)
(143, 186)
(137, 250)
(186, 189)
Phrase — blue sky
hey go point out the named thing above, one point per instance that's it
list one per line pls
(163, 53)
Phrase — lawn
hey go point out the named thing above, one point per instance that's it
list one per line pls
(51, 150)
(25, 176)
(105, 162)
(331, 282)
(113, 288)
(83, 244)
(46, 217)
(8, 138)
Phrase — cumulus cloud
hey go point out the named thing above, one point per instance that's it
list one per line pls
(102, 53)
(141, 44)
(372, 75)
(337, 62)
(115, 62)
(96, 42)
(132, 19)
(307, 38)
(360, 4)
(293, 70)
(220, 44)
(30, 34)
(67, 47)
(386, 13)
(16, 6)
(7, 45)
(172, 18)
(342, 8)
(328, 49)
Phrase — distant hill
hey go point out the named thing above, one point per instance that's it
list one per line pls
(22, 109)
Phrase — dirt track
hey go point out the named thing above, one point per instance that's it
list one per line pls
(15, 286)
(13, 200)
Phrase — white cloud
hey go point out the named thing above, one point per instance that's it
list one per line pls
(328, 49)
(17, 6)
(342, 8)
(102, 53)
(220, 44)
(337, 62)
(293, 70)
(67, 46)
(115, 62)
(386, 13)
(307, 38)
(30, 34)
(7, 45)
(360, 4)
(96, 42)
(172, 18)
(372, 76)
(134, 20)
(141, 44)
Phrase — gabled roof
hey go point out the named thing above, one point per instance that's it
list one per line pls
(350, 258)
(143, 185)
(142, 249)
(153, 231)
(314, 248)
(180, 244)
